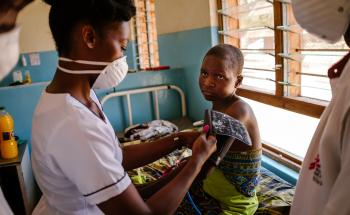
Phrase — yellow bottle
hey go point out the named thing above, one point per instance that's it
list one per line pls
(27, 78)
(8, 144)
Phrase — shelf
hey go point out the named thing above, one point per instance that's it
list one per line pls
(25, 85)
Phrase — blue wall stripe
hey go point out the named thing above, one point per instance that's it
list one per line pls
(20, 101)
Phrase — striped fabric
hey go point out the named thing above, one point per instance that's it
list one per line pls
(242, 170)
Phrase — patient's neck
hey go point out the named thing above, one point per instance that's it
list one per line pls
(222, 105)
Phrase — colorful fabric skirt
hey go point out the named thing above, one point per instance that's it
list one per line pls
(229, 189)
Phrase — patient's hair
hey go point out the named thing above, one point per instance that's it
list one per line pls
(232, 55)
(65, 14)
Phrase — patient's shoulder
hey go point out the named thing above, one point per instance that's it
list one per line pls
(240, 110)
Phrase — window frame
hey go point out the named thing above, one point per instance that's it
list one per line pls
(146, 42)
(294, 102)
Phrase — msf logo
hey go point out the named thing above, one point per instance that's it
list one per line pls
(316, 166)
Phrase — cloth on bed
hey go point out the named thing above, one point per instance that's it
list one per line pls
(275, 197)
(153, 129)
(155, 170)
(274, 194)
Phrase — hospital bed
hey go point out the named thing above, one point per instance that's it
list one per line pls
(275, 194)
(183, 122)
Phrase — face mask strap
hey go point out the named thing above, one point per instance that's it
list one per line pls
(79, 71)
(86, 62)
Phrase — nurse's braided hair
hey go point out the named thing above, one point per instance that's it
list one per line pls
(65, 14)
(232, 55)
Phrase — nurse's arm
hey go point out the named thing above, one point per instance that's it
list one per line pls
(138, 155)
(166, 200)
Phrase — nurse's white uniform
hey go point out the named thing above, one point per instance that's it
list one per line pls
(76, 157)
(324, 185)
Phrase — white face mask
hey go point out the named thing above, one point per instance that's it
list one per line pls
(9, 51)
(109, 77)
(327, 19)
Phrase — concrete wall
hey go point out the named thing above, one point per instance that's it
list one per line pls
(182, 15)
(186, 30)
(35, 33)
(185, 34)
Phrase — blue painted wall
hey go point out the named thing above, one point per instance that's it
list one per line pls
(20, 101)
(186, 50)
(45, 71)
(183, 50)
(41, 73)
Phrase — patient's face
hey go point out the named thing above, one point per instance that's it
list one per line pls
(216, 80)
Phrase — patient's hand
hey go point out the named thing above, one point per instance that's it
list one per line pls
(188, 138)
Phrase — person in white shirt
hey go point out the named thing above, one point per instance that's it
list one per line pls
(324, 186)
(9, 46)
(76, 158)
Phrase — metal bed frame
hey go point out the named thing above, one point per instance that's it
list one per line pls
(154, 90)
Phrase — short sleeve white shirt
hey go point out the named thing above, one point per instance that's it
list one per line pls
(76, 157)
(324, 186)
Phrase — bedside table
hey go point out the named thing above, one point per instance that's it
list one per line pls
(17, 182)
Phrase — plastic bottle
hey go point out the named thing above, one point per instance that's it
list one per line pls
(27, 78)
(8, 144)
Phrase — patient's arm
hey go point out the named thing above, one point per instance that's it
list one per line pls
(138, 155)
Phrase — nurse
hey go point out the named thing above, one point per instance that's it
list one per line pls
(324, 186)
(9, 46)
(76, 157)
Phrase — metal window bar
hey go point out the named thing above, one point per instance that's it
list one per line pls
(260, 69)
(284, 83)
(323, 50)
(272, 54)
(298, 56)
(154, 90)
(236, 33)
(289, 28)
(311, 74)
(263, 50)
(235, 12)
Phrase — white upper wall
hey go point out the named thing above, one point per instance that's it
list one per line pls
(181, 15)
(171, 16)
(35, 31)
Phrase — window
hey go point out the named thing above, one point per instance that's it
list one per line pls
(284, 65)
(284, 130)
(145, 34)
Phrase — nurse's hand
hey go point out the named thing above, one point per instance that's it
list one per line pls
(203, 147)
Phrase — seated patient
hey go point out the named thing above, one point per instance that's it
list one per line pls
(232, 183)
